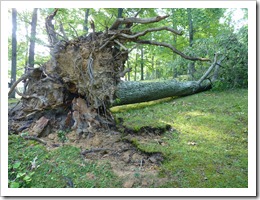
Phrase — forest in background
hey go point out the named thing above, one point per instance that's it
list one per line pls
(205, 31)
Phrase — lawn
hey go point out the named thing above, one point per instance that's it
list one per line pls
(206, 147)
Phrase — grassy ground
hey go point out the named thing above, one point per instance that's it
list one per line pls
(206, 148)
(59, 168)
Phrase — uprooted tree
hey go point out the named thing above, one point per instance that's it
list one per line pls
(76, 87)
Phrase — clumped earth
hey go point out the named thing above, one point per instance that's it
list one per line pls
(122, 150)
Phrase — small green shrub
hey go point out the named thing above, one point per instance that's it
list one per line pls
(18, 175)
(62, 135)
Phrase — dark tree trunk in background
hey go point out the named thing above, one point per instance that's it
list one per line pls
(174, 68)
(128, 73)
(191, 66)
(142, 63)
(27, 47)
(136, 57)
(32, 38)
(120, 13)
(85, 26)
(14, 50)
(76, 87)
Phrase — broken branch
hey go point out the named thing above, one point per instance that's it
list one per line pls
(215, 62)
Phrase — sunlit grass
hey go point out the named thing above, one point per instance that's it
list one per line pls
(209, 145)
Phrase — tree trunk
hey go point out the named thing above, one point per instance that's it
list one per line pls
(137, 92)
(142, 63)
(136, 56)
(191, 66)
(75, 88)
(14, 50)
(32, 38)
(174, 68)
(128, 73)
(120, 13)
(85, 26)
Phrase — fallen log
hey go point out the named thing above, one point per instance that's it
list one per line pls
(77, 86)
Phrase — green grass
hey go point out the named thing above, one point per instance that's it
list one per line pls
(216, 122)
(57, 166)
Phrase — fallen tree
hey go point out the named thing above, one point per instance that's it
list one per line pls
(77, 86)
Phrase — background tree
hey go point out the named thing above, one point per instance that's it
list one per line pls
(191, 66)
(86, 20)
(14, 50)
(32, 38)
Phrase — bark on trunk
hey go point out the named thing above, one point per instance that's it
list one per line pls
(137, 92)
(14, 50)
(32, 38)
(85, 26)
(191, 66)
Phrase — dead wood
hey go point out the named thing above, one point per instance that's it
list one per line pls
(25, 76)
(95, 150)
(75, 88)
(35, 139)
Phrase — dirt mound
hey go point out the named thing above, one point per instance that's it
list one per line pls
(137, 167)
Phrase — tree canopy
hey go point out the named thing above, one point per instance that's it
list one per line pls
(213, 30)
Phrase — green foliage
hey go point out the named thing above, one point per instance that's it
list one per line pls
(20, 163)
(62, 135)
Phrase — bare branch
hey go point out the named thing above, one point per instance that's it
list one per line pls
(218, 64)
(172, 48)
(74, 30)
(106, 43)
(34, 138)
(215, 62)
(209, 69)
(136, 35)
(63, 32)
(121, 45)
(130, 20)
(138, 12)
(25, 76)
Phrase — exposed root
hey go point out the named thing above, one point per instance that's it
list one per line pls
(35, 139)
